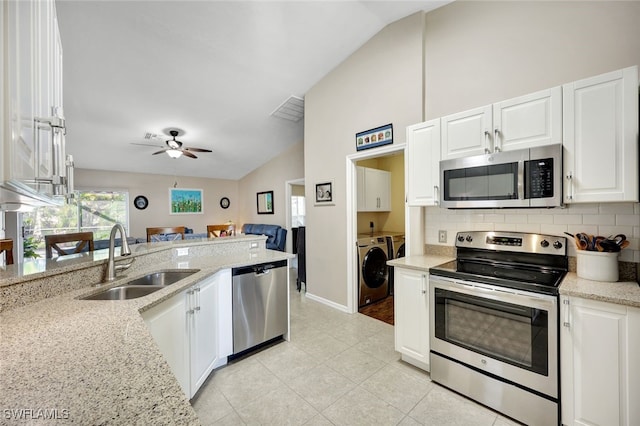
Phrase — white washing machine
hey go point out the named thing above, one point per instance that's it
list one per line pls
(373, 272)
(396, 250)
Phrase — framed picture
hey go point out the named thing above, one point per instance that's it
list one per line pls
(382, 135)
(324, 193)
(185, 201)
(265, 202)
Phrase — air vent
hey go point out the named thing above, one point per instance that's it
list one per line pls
(291, 109)
(150, 136)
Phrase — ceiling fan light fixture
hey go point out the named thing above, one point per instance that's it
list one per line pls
(174, 153)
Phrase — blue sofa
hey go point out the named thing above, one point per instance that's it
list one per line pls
(276, 235)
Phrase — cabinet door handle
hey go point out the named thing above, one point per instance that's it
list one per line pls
(566, 323)
(424, 284)
(436, 197)
(570, 179)
(487, 150)
(70, 166)
(496, 134)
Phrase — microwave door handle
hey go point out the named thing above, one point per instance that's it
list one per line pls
(520, 180)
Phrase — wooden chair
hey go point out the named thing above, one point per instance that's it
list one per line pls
(83, 240)
(6, 246)
(177, 230)
(214, 231)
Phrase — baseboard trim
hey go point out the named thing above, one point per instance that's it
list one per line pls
(328, 302)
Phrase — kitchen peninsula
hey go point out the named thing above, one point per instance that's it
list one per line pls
(95, 361)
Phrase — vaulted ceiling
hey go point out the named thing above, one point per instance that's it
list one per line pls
(214, 69)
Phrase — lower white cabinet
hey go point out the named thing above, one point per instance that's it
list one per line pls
(599, 363)
(193, 330)
(411, 316)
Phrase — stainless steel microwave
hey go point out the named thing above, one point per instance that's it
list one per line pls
(522, 178)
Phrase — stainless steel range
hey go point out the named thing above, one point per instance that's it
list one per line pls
(494, 322)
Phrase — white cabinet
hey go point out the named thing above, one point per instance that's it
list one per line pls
(601, 138)
(423, 164)
(524, 122)
(374, 190)
(600, 372)
(169, 327)
(411, 316)
(193, 330)
(33, 141)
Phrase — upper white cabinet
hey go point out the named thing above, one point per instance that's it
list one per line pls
(600, 373)
(601, 138)
(467, 133)
(33, 141)
(423, 163)
(374, 190)
(411, 316)
(523, 122)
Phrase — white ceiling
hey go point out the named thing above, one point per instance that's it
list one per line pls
(214, 69)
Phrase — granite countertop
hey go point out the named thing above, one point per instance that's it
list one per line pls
(95, 362)
(622, 292)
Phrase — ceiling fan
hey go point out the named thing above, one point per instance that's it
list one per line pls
(174, 147)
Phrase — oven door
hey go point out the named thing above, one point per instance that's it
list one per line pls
(492, 180)
(510, 334)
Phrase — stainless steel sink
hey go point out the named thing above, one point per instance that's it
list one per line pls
(124, 292)
(142, 286)
(162, 278)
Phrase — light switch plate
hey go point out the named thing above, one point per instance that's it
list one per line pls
(442, 236)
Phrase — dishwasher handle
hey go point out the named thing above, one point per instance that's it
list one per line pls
(258, 269)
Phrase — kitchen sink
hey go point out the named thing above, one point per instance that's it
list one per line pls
(142, 286)
(162, 278)
(124, 292)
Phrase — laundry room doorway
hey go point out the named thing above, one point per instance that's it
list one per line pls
(379, 225)
(296, 211)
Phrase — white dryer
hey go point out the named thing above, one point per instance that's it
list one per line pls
(373, 272)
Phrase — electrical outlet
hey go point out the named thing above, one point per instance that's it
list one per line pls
(442, 236)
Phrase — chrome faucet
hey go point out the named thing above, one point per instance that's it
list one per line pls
(112, 268)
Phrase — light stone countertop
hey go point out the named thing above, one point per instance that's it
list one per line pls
(95, 362)
(623, 292)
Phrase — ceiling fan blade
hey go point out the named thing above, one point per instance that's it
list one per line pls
(188, 154)
(155, 145)
(161, 151)
(197, 150)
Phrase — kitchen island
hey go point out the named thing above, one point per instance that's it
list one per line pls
(95, 361)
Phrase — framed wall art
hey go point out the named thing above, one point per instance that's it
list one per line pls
(324, 193)
(371, 138)
(265, 202)
(185, 201)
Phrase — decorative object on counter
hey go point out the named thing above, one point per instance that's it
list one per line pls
(589, 242)
(372, 138)
(83, 240)
(141, 202)
(597, 256)
(224, 202)
(324, 193)
(264, 201)
(185, 201)
(167, 233)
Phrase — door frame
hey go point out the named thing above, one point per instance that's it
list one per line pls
(288, 191)
(352, 216)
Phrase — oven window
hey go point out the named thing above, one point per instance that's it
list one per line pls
(497, 182)
(510, 333)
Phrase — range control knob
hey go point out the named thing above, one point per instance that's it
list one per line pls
(544, 243)
(469, 238)
(460, 238)
(557, 244)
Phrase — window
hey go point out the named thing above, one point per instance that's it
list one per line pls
(92, 211)
(297, 211)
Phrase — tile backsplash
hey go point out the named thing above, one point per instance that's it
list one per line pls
(598, 219)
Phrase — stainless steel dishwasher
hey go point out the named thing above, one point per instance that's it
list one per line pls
(259, 304)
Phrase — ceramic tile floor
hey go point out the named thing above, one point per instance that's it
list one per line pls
(338, 369)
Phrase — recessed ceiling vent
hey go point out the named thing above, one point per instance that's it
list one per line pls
(291, 109)
(151, 136)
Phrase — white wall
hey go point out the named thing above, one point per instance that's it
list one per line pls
(477, 53)
(380, 83)
(270, 177)
(156, 189)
